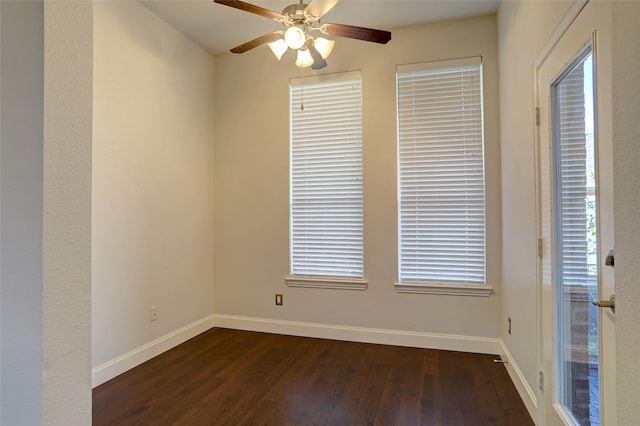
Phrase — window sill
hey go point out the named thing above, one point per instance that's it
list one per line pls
(327, 282)
(450, 290)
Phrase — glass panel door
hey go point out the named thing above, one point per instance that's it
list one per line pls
(577, 381)
(576, 241)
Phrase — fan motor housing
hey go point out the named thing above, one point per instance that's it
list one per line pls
(295, 12)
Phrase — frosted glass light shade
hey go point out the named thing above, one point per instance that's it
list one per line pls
(278, 47)
(295, 37)
(324, 46)
(304, 58)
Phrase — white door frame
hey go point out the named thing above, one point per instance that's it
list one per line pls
(570, 15)
(543, 315)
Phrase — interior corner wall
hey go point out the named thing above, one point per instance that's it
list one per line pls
(523, 29)
(152, 218)
(252, 189)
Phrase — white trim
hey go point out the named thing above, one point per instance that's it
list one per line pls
(451, 290)
(566, 417)
(570, 15)
(326, 282)
(444, 64)
(448, 342)
(323, 78)
(527, 394)
(119, 365)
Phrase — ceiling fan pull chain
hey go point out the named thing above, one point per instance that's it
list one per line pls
(302, 87)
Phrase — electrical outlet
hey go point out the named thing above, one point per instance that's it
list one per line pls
(509, 321)
(278, 300)
(154, 313)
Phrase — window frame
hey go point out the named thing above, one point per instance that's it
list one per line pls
(438, 286)
(323, 281)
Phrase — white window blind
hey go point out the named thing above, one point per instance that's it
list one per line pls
(574, 192)
(326, 178)
(441, 173)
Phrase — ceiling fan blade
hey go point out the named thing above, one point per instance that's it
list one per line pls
(318, 8)
(360, 33)
(263, 39)
(248, 7)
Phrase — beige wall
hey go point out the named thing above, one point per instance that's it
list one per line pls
(66, 285)
(152, 236)
(252, 187)
(523, 29)
(626, 140)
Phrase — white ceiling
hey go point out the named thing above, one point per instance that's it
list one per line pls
(218, 28)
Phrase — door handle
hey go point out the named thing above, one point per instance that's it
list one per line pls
(611, 303)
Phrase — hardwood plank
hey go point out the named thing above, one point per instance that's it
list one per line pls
(362, 395)
(318, 403)
(402, 390)
(231, 377)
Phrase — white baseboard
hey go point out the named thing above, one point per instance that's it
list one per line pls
(450, 342)
(527, 394)
(119, 365)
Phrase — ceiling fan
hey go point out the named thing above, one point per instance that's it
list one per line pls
(300, 20)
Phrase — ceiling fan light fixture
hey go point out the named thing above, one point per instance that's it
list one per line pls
(278, 47)
(324, 46)
(318, 60)
(299, 19)
(295, 37)
(304, 58)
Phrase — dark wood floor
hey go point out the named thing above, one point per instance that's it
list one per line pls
(230, 377)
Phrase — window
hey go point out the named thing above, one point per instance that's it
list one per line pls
(326, 244)
(575, 206)
(441, 174)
